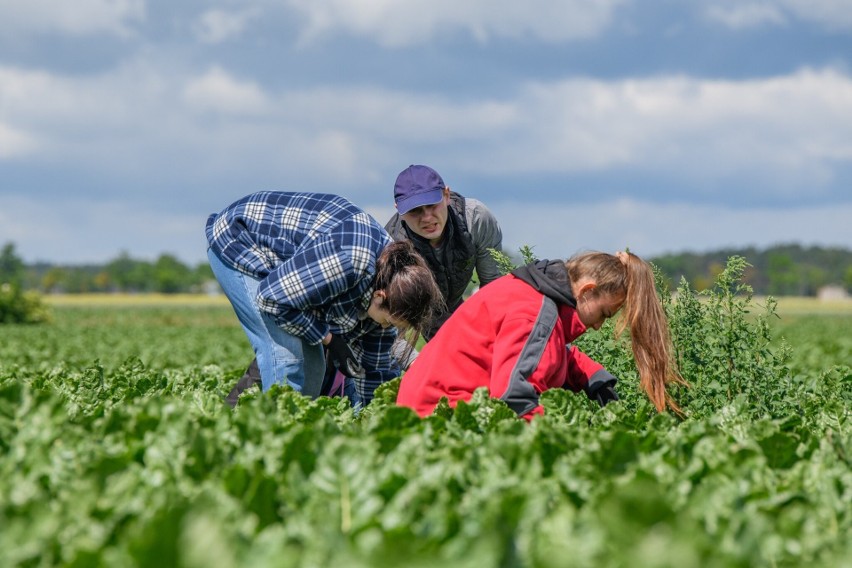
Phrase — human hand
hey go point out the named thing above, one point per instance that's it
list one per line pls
(601, 388)
(343, 358)
(604, 395)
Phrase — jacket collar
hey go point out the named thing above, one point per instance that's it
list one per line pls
(550, 277)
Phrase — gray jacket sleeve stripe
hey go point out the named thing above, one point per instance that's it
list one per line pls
(520, 395)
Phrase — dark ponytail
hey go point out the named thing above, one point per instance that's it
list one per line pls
(411, 293)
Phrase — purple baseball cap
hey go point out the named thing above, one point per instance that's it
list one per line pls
(417, 186)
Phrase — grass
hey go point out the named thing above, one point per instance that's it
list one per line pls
(192, 320)
(164, 331)
(62, 300)
(796, 306)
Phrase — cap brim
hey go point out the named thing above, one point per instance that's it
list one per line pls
(430, 197)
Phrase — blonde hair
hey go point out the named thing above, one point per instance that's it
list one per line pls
(628, 276)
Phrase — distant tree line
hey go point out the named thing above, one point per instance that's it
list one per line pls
(165, 275)
(783, 270)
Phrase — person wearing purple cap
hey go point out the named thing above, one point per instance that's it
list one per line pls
(453, 233)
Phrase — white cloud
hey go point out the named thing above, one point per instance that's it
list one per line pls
(82, 120)
(77, 17)
(743, 14)
(785, 135)
(392, 23)
(14, 143)
(832, 14)
(218, 91)
(217, 26)
(651, 229)
(784, 130)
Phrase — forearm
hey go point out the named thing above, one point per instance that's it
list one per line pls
(581, 368)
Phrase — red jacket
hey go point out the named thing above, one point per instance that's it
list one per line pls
(509, 337)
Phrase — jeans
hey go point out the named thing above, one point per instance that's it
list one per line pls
(282, 358)
(345, 386)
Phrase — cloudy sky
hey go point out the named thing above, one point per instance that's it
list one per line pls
(661, 125)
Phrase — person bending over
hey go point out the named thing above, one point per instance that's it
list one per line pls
(311, 276)
(514, 337)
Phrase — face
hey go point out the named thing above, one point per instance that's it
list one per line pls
(380, 315)
(594, 309)
(429, 221)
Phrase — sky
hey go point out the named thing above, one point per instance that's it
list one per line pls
(662, 125)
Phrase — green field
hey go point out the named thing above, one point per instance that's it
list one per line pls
(207, 332)
(795, 306)
(164, 332)
(117, 450)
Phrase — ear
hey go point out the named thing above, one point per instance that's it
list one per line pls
(586, 288)
(380, 296)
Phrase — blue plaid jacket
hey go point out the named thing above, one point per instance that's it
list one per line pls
(315, 256)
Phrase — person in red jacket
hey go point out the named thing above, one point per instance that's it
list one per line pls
(514, 337)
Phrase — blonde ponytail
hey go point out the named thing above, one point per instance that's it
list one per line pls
(643, 314)
(625, 274)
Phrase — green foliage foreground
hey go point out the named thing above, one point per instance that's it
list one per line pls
(137, 466)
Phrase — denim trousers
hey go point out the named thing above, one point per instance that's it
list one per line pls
(282, 358)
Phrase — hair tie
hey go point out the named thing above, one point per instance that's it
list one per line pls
(624, 257)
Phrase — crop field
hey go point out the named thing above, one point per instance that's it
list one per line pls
(116, 449)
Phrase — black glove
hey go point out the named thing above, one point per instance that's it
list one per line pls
(343, 358)
(601, 388)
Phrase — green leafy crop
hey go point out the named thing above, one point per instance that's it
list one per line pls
(132, 458)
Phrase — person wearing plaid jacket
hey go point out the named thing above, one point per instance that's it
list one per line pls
(304, 271)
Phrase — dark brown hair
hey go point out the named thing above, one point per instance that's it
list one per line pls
(411, 293)
(628, 276)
